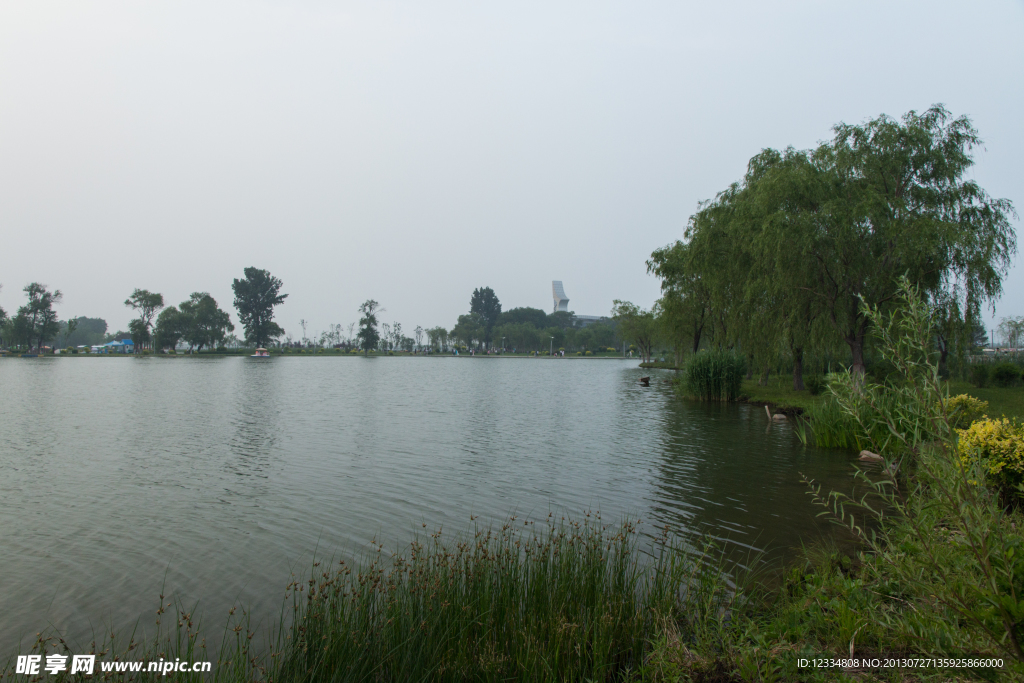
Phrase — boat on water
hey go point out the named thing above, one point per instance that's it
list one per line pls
(261, 353)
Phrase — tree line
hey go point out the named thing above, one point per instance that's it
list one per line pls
(778, 264)
(523, 329)
(198, 321)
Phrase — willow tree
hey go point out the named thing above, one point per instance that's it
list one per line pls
(892, 200)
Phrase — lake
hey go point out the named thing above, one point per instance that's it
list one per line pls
(214, 479)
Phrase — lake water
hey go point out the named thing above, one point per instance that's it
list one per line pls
(215, 478)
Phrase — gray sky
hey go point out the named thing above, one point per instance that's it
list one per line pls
(411, 151)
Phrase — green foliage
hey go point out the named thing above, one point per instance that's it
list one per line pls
(140, 333)
(485, 305)
(470, 329)
(87, 331)
(368, 335)
(1012, 330)
(714, 375)
(559, 600)
(637, 326)
(815, 384)
(563, 320)
(997, 446)
(146, 304)
(256, 295)
(980, 374)
(36, 321)
(782, 259)
(170, 328)
(1005, 375)
(533, 316)
(201, 322)
(942, 540)
(963, 410)
(833, 427)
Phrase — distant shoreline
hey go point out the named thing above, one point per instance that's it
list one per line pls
(311, 355)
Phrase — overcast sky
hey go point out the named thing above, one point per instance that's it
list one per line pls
(411, 151)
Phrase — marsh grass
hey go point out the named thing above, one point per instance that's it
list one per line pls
(714, 375)
(569, 600)
(558, 599)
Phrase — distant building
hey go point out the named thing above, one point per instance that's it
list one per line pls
(585, 320)
(562, 304)
(561, 300)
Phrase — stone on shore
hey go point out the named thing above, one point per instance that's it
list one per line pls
(868, 456)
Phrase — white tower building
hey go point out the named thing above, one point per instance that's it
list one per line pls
(561, 300)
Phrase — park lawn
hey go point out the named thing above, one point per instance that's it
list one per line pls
(780, 395)
(1007, 402)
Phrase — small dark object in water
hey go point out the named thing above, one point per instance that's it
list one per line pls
(645, 381)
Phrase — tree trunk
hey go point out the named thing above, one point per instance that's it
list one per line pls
(750, 366)
(855, 340)
(763, 382)
(798, 368)
(943, 355)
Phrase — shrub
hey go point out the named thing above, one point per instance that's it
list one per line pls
(962, 411)
(1005, 374)
(999, 446)
(715, 375)
(589, 353)
(815, 384)
(980, 374)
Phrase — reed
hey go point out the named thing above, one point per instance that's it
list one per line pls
(559, 599)
(570, 600)
(714, 375)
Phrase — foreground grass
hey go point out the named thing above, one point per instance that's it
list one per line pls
(586, 601)
(563, 600)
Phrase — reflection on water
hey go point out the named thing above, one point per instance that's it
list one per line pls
(217, 477)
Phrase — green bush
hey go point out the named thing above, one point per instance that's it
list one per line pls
(962, 411)
(714, 375)
(815, 384)
(998, 445)
(980, 374)
(1006, 374)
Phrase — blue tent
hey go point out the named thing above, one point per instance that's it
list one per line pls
(122, 346)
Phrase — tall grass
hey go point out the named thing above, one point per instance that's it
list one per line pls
(557, 600)
(570, 600)
(714, 375)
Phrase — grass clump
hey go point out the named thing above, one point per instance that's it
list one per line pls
(565, 600)
(569, 601)
(714, 375)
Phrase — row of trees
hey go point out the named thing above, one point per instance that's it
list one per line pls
(527, 329)
(485, 327)
(36, 322)
(779, 262)
(198, 321)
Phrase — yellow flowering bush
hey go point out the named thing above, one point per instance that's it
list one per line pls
(964, 410)
(999, 445)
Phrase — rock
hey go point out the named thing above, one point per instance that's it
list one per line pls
(779, 417)
(868, 456)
